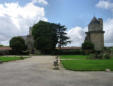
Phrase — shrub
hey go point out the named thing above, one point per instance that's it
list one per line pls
(88, 46)
(69, 52)
(107, 56)
(18, 45)
(99, 56)
(95, 56)
(91, 56)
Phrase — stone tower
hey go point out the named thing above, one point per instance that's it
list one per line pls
(30, 41)
(95, 33)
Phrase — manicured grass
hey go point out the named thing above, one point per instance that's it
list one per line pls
(86, 64)
(6, 59)
(74, 56)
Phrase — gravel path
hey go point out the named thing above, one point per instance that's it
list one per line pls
(38, 71)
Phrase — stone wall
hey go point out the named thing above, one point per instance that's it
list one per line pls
(98, 40)
(29, 41)
(95, 33)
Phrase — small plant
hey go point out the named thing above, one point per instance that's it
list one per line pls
(107, 56)
(99, 56)
(91, 56)
(96, 56)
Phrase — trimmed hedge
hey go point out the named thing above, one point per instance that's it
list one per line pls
(69, 52)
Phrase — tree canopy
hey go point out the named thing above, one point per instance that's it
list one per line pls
(17, 44)
(44, 35)
(1, 45)
(87, 46)
(48, 35)
(63, 39)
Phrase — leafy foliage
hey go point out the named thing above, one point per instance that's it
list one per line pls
(48, 35)
(1, 45)
(44, 35)
(69, 52)
(61, 34)
(107, 56)
(87, 45)
(17, 44)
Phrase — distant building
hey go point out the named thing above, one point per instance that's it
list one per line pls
(29, 41)
(5, 50)
(95, 33)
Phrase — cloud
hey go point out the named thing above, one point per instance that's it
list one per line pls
(108, 24)
(108, 28)
(40, 1)
(105, 4)
(16, 19)
(77, 35)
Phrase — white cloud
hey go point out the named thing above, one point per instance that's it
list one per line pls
(105, 4)
(40, 1)
(16, 20)
(108, 24)
(77, 36)
(108, 28)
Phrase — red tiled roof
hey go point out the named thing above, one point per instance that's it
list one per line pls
(5, 48)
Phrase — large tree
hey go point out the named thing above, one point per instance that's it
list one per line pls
(48, 35)
(63, 39)
(45, 37)
(17, 44)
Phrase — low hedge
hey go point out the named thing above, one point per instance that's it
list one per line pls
(69, 52)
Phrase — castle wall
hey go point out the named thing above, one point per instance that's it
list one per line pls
(95, 27)
(95, 33)
(98, 40)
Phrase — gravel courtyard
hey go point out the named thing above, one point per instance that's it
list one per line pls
(38, 71)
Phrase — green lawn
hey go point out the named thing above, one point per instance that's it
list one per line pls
(9, 58)
(74, 56)
(80, 63)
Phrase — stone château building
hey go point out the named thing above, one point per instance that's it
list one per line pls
(95, 33)
(29, 41)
